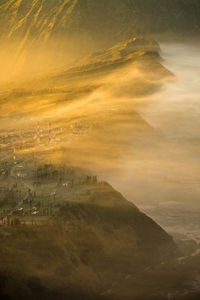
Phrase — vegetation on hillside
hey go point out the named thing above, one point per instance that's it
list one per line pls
(69, 235)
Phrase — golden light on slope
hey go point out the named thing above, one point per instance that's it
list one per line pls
(91, 119)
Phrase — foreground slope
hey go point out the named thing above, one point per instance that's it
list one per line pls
(74, 243)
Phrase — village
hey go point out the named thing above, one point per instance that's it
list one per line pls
(41, 135)
(31, 194)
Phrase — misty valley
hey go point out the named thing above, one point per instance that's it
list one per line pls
(99, 150)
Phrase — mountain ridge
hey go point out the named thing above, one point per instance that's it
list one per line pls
(92, 21)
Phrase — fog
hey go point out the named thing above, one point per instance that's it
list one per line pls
(136, 126)
(18, 62)
(163, 179)
(172, 172)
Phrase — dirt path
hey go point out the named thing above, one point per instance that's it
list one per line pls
(20, 203)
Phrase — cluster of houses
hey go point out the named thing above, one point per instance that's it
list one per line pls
(39, 135)
(28, 206)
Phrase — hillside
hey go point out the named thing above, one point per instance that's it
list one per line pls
(90, 102)
(79, 239)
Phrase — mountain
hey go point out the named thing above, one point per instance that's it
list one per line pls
(64, 233)
(83, 22)
(40, 34)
